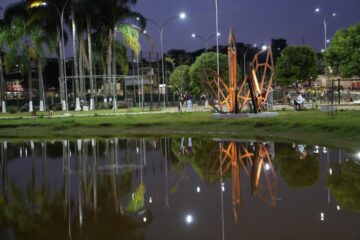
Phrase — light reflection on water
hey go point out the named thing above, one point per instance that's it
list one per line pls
(177, 188)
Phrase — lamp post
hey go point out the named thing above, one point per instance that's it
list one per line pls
(145, 33)
(217, 47)
(244, 56)
(204, 40)
(61, 16)
(326, 41)
(161, 30)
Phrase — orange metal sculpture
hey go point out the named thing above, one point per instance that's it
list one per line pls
(254, 88)
(255, 161)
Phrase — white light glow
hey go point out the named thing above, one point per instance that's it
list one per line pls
(322, 50)
(317, 10)
(198, 189)
(330, 171)
(189, 219)
(150, 200)
(223, 187)
(144, 219)
(267, 167)
(333, 14)
(338, 207)
(322, 217)
(219, 34)
(264, 47)
(193, 35)
(182, 15)
(357, 155)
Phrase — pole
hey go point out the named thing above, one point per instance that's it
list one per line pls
(138, 78)
(325, 34)
(151, 79)
(162, 63)
(217, 50)
(142, 80)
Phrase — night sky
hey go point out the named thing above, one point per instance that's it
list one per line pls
(253, 21)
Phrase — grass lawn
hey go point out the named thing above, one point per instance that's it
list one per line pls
(342, 129)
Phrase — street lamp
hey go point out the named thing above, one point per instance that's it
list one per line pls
(61, 16)
(161, 30)
(244, 53)
(326, 40)
(217, 48)
(204, 40)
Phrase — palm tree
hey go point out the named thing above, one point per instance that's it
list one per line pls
(47, 21)
(25, 40)
(116, 12)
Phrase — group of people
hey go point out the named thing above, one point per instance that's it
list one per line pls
(187, 98)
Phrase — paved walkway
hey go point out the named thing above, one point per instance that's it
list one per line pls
(167, 110)
(100, 113)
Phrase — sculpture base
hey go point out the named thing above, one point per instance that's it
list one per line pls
(245, 115)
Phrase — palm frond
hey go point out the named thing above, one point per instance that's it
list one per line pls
(130, 36)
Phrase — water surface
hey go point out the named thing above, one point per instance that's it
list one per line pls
(179, 188)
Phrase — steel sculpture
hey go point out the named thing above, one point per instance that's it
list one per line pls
(252, 91)
(255, 161)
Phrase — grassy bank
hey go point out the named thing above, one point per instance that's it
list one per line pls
(341, 129)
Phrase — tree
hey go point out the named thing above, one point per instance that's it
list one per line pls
(48, 17)
(295, 65)
(343, 54)
(180, 79)
(207, 61)
(25, 41)
(25, 48)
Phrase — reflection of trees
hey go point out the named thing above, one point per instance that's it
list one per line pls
(344, 184)
(296, 170)
(30, 214)
(88, 206)
(198, 158)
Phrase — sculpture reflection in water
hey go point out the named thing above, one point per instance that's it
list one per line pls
(254, 159)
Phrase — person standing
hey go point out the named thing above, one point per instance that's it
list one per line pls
(188, 102)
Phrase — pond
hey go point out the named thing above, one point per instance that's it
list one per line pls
(177, 188)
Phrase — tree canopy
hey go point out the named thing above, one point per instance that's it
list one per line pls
(207, 61)
(180, 79)
(295, 65)
(343, 54)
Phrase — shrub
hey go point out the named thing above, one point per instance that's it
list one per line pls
(12, 109)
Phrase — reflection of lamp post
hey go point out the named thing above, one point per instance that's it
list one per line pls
(204, 40)
(61, 16)
(161, 30)
(326, 41)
